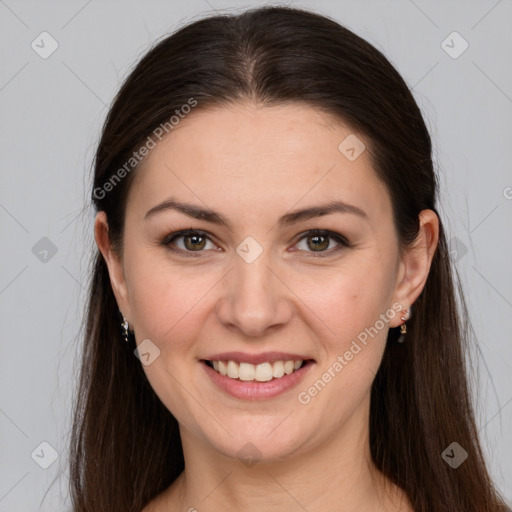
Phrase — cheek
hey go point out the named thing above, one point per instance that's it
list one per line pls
(346, 301)
(165, 299)
(355, 315)
(168, 305)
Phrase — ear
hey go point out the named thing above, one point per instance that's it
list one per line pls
(415, 264)
(114, 264)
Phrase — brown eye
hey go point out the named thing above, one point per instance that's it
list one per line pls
(320, 242)
(187, 242)
(194, 242)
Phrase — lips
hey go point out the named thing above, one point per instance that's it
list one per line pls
(253, 376)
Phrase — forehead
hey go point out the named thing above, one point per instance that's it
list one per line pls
(246, 159)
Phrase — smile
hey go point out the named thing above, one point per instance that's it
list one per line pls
(256, 377)
(262, 372)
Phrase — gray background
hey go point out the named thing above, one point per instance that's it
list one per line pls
(51, 113)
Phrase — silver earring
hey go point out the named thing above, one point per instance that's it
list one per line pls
(125, 329)
(126, 334)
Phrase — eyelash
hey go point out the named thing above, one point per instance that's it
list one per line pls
(194, 254)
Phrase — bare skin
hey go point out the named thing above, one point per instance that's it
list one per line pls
(252, 165)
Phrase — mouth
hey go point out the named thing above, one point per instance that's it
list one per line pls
(262, 372)
(256, 377)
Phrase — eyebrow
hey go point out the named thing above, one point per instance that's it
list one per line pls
(293, 217)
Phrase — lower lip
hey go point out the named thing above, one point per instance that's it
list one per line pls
(253, 390)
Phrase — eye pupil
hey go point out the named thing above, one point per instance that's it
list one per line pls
(194, 245)
(320, 245)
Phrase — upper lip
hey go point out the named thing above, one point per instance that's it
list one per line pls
(243, 357)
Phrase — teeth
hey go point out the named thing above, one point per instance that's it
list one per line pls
(261, 372)
(246, 371)
(278, 369)
(232, 370)
(288, 367)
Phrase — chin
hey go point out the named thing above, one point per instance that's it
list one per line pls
(259, 439)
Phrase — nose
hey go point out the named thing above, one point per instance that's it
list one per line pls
(255, 299)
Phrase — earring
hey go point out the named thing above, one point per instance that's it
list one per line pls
(126, 334)
(406, 314)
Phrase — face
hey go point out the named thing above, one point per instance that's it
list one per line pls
(252, 282)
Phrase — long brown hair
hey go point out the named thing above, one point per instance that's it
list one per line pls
(125, 444)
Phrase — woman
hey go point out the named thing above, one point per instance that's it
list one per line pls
(272, 322)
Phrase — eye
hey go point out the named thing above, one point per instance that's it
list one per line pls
(193, 241)
(318, 241)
